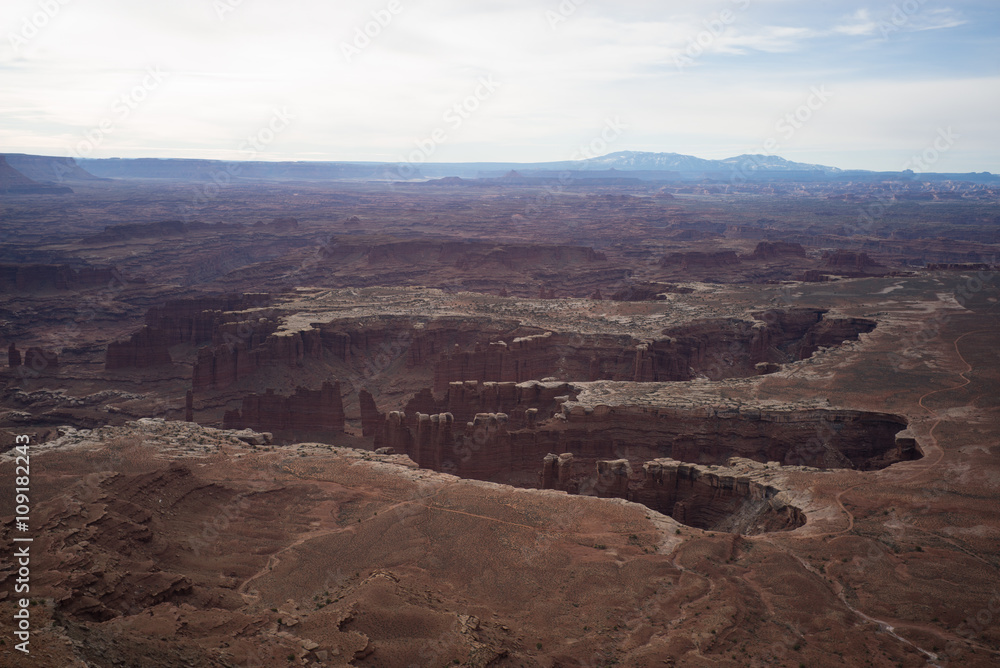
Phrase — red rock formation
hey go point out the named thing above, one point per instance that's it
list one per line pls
(219, 366)
(397, 434)
(731, 348)
(535, 357)
(491, 448)
(520, 401)
(196, 320)
(372, 422)
(831, 332)
(771, 250)
(716, 499)
(304, 411)
(38, 360)
(146, 348)
(612, 478)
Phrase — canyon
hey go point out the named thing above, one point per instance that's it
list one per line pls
(633, 420)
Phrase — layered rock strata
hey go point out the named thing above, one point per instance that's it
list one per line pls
(304, 411)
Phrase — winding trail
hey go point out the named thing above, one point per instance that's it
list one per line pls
(881, 476)
(925, 467)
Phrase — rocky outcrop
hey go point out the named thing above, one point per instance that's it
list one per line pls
(372, 422)
(39, 360)
(732, 348)
(306, 410)
(396, 434)
(521, 402)
(557, 472)
(241, 349)
(196, 320)
(492, 448)
(146, 348)
(13, 356)
(219, 366)
(736, 500)
(677, 461)
(459, 351)
(539, 356)
(831, 332)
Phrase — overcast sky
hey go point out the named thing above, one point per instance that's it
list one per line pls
(867, 84)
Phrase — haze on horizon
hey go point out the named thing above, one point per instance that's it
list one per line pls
(855, 85)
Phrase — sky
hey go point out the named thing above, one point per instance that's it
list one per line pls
(881, 85)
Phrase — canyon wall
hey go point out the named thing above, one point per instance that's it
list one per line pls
(304, 411)
(490, 447)
(191, 321)
(146, 348)
(714, 498)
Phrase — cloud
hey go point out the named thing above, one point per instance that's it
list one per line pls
(937, 19)
(559, 83)
(860, 24)
(898, 18)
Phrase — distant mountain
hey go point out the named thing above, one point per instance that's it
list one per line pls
(676, 162)
(615, 167)
(48, 169)
(13, 182)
